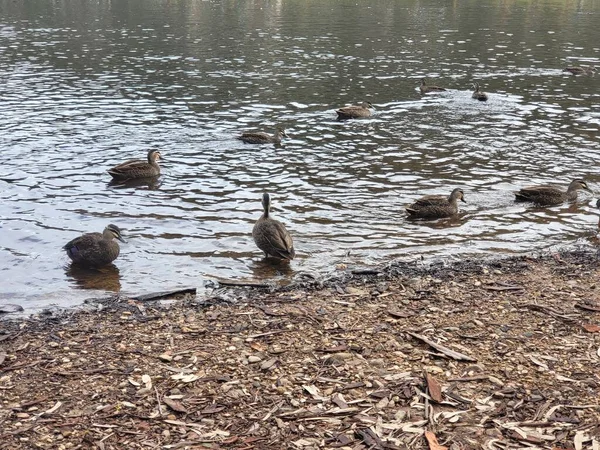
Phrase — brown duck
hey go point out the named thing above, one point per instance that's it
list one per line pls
(551, 195)
(271, 236)
(436, 206)
(137, 168)
(260, 137)
(355, 112)
(478, 95)
(425, 88)
(95, 249)
(580, 70)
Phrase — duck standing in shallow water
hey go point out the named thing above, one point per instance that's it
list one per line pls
(355, 111)
(425, 88)
(546, 195)
(477, 94)
(271, 236)
(95, 249)
(137, 168)
(436, 206)
(260, 137)
(580, 70)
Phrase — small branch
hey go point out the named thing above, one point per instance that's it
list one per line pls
(440, 348)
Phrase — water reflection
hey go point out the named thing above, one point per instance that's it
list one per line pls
(106, 278)
(454, 221)
(270, 268)
(148, 183)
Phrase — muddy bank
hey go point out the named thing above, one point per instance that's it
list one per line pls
(498, 354)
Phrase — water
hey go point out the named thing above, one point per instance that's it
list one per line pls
(86, 85)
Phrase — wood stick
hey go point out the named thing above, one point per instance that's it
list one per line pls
(440, 348)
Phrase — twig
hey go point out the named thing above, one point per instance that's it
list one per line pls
(475, 378)
(445, 350)
(547, 310)
(163, 295)
(241, 283)
(158, 401)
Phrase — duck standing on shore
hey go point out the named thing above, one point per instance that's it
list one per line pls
(546, 195)
(95, 249)
(271, 236)
(137, 168)
(436, 206)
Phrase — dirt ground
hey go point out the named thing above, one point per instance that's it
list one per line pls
(478, 355)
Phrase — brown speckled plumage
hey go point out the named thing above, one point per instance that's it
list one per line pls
(425, 88)
(436, 206)
(137, 168)
(95, 249)
(477, 94)
(271, 236)
(355, 111)
(260, 137)
(551, 195)
(580, 70)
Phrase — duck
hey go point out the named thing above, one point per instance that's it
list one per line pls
(580, 70)
(436, 206)
(478, 95)
(355, 111)
(260, 137)
(137, 168)
(271, 236)
(425, 88)
(551, 195)
(95, 249)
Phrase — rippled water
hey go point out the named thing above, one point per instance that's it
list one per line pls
(86, 85)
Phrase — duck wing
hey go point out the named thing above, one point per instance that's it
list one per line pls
(430, 200)
(128, 167)
(272, 237)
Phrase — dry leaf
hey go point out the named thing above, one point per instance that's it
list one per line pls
(591, 328)
(174, 405)
(268, 364)
(433, 442)
(185, 378)
(147, 381)
(434, 387)
(314, 391)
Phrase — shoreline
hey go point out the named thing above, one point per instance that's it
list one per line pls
(501, 353)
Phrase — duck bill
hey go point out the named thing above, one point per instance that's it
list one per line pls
(122, 240)
(463, 200)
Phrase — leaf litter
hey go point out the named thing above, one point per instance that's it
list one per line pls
(494, 355)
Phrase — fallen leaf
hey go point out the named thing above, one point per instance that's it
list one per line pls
(186, 378)
(591, 328)
(433, 442)
(147, 381)
(314, 391)
(268, 364)
(174, 405)
(434, 387)
(212, 409)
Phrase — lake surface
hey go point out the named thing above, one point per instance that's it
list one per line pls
(85, 85)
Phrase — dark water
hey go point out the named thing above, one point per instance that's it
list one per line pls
(85, 85)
